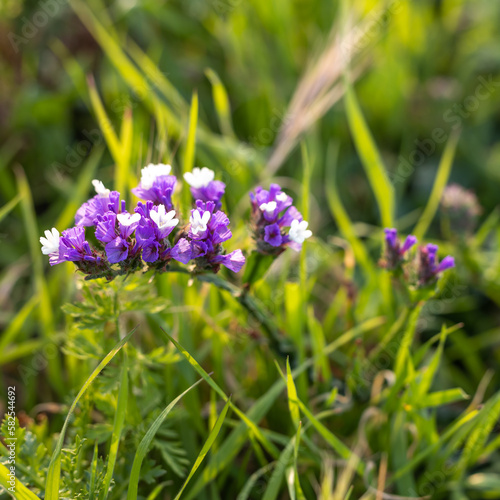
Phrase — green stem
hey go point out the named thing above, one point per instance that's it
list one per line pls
(280, 344)
(121, 410)
(277, 341)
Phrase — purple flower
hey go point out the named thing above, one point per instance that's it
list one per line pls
(117, 250)
(204, 187)
(164, 221)
(394, 251)
(273, 235)
(428, 266)
(104, 201)
(105, 230)
(181, 251)
(207, 232)
(272, 214)
(127, 223)
(234, 261)
(209, 226)
(152, 235)
(74, 248)
(156, 185)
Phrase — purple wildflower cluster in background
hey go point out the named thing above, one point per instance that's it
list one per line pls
(425, 266)
(152, 236)
(277, 224)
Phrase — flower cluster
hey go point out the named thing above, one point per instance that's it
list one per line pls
(422, 269)
(152, 235)
(277, 224)
(149, 237)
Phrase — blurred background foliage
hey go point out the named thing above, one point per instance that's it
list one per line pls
(417, 66)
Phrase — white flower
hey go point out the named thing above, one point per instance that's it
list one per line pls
(100, 189)
(128, 219)
(150, 172)
(269, 208)
(299, 232)
(50, 244)
(199, 222)
(282, 196)
(199, 177)
(162, 218)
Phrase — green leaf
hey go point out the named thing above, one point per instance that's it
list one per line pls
(206, 447)
(441, 398)
(370, 158)
(146, 443)
(21, 492)
(54, 472)
(442, 176)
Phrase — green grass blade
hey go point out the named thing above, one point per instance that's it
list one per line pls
(340, 215)
(54, 472)
(292, 396)
(298, 489)
(80, 191)
(206, 447)
(20, 491)
(121, 410)
(190, 148)
(16, 324)
(146, 442)
(330, 438)
(154, 494)
(271, 449)
(126, 144)
(21, 350)
(370, 158)
(221, 103)
(440, 398)
(93, 474)
(45, 306)
(103, 120)
(237, 439)
(474, 446)
(440, 182)
(425, 382)
(437, 445)
(245, 493)
(398, 446)
(273, 487)
(8, 207)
